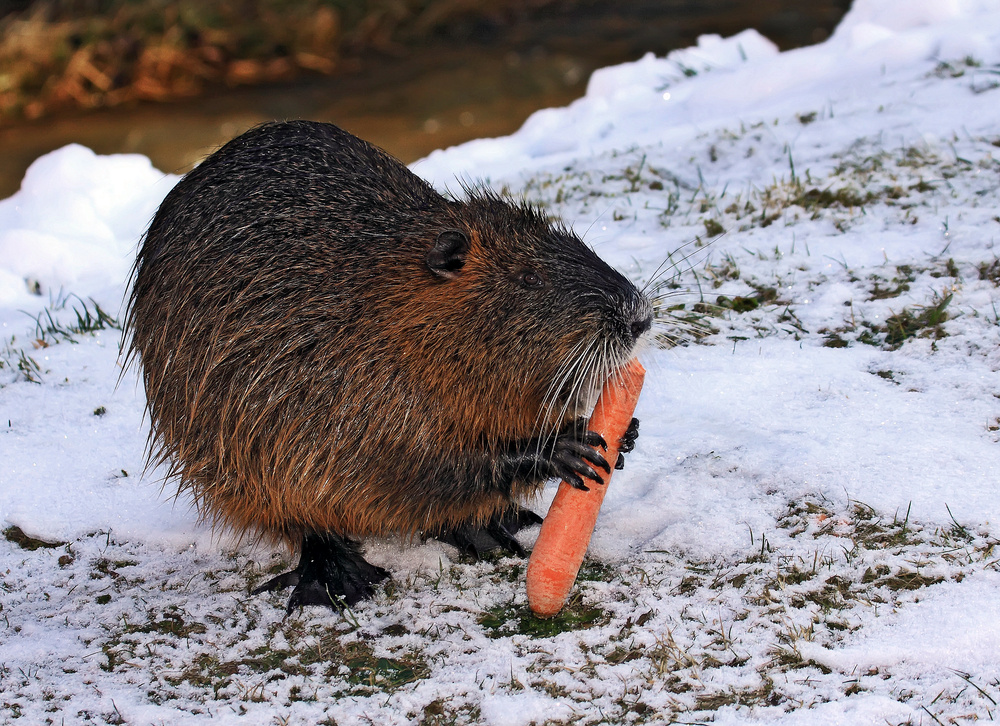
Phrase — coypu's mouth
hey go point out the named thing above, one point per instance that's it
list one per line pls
(579, 380)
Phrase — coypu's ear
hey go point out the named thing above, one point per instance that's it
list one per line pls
(447, 256)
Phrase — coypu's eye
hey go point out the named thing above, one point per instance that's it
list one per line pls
(530, 279)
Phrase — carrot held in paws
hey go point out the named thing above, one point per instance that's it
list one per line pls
(565, 534)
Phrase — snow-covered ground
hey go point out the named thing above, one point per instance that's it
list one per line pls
(806, 533)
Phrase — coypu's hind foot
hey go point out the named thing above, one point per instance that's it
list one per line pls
(331, 572)
(497, 534)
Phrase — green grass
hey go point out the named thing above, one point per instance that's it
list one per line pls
(955, 69)
(990, 271)
(505, 620)
(925, 321)
(51, 327)
(900, 283)
(17, 359)
(88, 317)
(911, 322)
(442, 712)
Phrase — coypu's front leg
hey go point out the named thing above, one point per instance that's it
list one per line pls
(572, 457)
(331, 572)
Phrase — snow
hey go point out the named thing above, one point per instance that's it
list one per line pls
(805, 532)
(75, 221)
(941, 628)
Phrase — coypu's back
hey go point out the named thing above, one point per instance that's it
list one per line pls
(329, 345)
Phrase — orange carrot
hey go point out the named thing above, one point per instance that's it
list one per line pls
(565, 534)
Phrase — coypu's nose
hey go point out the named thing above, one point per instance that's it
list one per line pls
(641, 326)
(637, 316)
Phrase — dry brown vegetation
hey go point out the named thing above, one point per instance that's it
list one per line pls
(64, 54)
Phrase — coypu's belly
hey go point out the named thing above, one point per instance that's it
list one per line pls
(352, 505)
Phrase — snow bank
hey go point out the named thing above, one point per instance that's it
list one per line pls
(73, 229)
(75, 222)
(663, 100)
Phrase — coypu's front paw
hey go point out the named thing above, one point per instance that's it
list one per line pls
(331, 572)
(575, 453)
(575, 456)
(627, 442)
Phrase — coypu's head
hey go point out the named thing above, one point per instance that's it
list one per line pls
(553, 321)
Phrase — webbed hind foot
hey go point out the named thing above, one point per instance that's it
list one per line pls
(331, 572)
(498, 533)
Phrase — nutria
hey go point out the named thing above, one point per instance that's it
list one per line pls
(331, 349)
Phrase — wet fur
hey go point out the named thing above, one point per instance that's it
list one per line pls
(306, 372)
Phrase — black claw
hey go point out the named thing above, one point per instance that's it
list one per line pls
(285, 579)
(517, 518)
(506, 539)
(573, 470)
(592, 438)
(627, 442)
(594, 458)
(464, 538)
(579, 457)
(576, 482)
(620, 464)
(590, 472)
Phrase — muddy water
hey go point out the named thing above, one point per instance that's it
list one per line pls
(475, 81)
